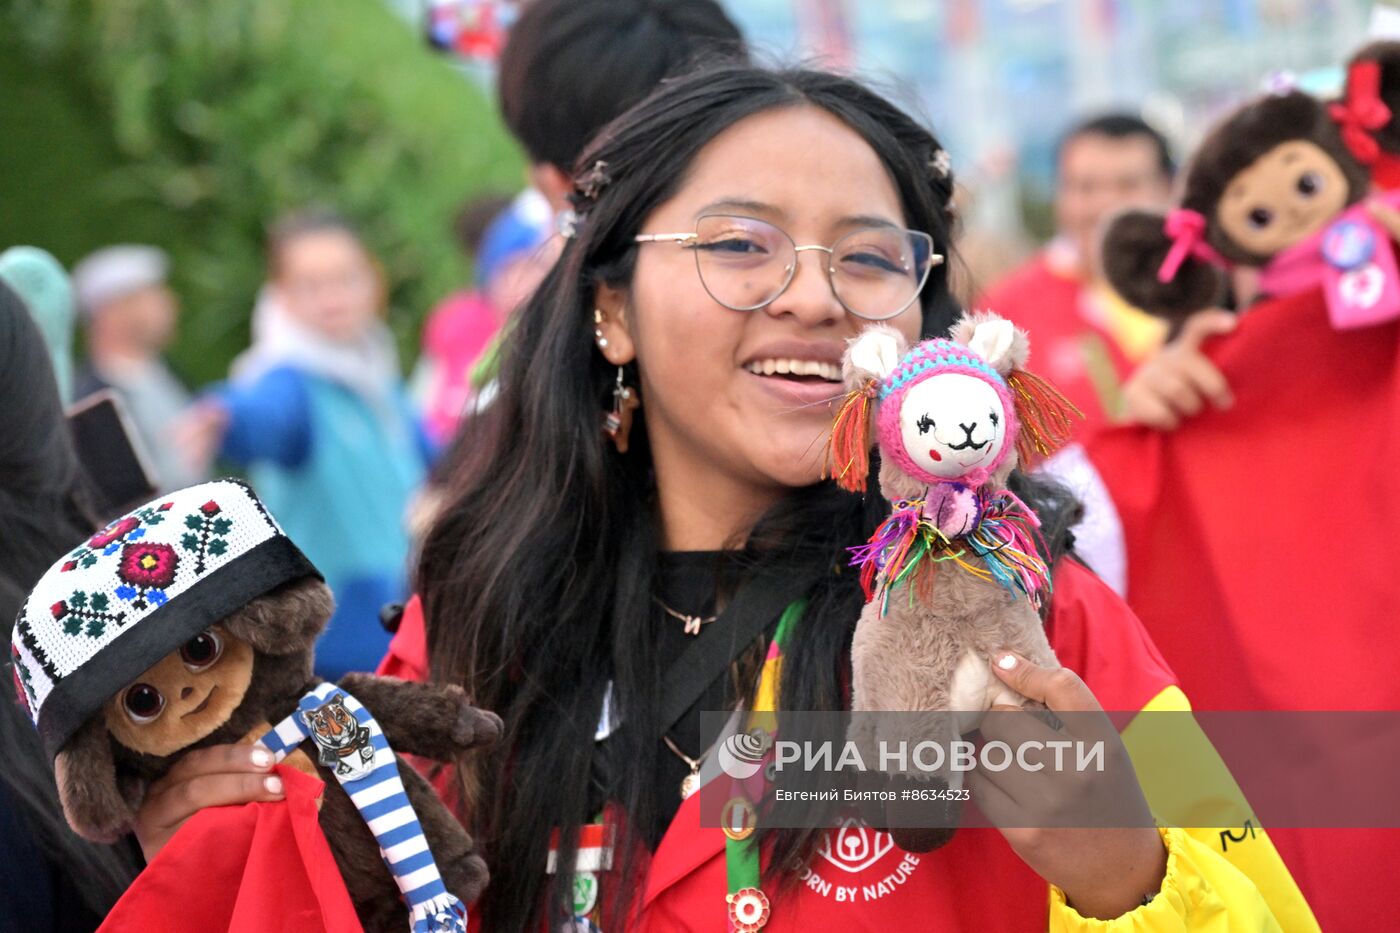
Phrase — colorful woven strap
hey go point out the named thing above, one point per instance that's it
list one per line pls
(746, 904)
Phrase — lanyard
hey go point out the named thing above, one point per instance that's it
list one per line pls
(747, 905)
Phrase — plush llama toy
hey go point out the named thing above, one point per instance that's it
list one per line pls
(954, 573)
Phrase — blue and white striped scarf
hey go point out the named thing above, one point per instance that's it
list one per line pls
(361, 759)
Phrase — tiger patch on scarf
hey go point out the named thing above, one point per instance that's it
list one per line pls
(343, 743)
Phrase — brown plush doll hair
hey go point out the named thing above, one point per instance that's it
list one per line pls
(190, 622)
(1270, 175)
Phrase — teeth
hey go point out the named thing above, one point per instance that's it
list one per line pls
(783, 367)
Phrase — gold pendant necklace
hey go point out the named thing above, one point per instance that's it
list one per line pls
(692, 623)
(691, 782)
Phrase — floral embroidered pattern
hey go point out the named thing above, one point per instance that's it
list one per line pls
(81, 613)
(147, 569)
(110, 539)
(24, 688)
(114, 532)
(205, 537)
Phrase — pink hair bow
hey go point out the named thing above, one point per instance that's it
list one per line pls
(1187, 231)
(1362, 111)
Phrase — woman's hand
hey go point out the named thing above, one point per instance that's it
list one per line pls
(216, 776)
(1178, 381)
(1104, 872)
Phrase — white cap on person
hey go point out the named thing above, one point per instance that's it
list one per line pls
(117, 271)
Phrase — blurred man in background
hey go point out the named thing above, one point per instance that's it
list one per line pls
(1087, 339)
(129, 313)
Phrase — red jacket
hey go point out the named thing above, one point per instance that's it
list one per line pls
(976, 883)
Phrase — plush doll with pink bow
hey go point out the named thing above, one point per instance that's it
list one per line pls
(957, 571)
(1278, 186)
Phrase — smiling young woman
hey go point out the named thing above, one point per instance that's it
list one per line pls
(599, 599)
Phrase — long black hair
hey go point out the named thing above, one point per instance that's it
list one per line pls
(537, 579)
(46, 506)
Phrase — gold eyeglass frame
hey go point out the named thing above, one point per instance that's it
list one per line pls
(686, 241)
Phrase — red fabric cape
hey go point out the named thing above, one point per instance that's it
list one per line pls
(253, 868)
(1261, 550)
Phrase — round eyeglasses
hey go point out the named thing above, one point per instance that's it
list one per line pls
(746, 263)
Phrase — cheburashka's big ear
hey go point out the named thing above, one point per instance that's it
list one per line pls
(285, 621)
(87, 786)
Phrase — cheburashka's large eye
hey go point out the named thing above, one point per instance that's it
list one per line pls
(1260, 217)
(201, 651)
(143, 703)
(925, 424)
(1309, 184)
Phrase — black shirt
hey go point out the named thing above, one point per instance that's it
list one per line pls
(688, 583)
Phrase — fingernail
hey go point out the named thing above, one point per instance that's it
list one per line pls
(273, 783)
(1006, 662)
(262, 758)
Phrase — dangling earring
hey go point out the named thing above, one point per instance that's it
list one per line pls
(598, 329)
(618, 422)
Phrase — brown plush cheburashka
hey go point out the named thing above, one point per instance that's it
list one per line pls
(1269, 178)
(190, 622)
(955, 573)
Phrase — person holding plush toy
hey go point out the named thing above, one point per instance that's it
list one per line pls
(1283, 185)
(188, 624)
(600, 581)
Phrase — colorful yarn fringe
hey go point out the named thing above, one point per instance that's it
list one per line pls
(1045, 416)
(907, 548)
(849, 447)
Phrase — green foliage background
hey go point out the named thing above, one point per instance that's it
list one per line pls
(192, 123)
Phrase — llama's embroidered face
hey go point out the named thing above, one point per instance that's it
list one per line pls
(953, 424)
(950, 410)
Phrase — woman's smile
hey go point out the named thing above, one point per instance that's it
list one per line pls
(797, 373)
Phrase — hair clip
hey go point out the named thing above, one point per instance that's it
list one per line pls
(592, 182)
(941, 162)
(566, 223)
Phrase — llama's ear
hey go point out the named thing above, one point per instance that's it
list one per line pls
(873, 354)
(993, 338)
(869, 359)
